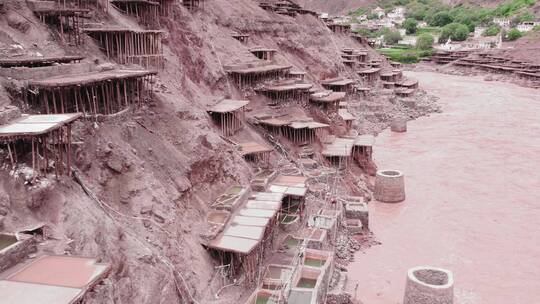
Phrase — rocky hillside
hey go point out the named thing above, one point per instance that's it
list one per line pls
(150, 174)
(144, 178)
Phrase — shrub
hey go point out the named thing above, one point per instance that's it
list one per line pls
(426, 53)
(513, 34)
(492, 30)
(522, 18)
(365, 32)
(392, 37)
(410, 25)
(461, 33)
(425, 42)
(441, 19)
(509, 8)
(407, 57)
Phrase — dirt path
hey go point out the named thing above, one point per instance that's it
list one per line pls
(473, 196)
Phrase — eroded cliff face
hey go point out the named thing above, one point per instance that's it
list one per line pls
(145, 178)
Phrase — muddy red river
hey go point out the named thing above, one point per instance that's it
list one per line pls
(473, 196)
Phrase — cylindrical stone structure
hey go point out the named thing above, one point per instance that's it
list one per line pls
(398, 124)
(389, 186)
(429, 285)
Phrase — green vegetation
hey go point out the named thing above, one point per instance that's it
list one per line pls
(454, 31)
(364, 32)
(429, 30)
(410, 25)
(385, 32)
(392, 37)
(513, 34)
(526, 16)
(510, 8)
(492, 30)
(438, 14)
(425, 42)
(405, 54)
(451, 22)
(359, 12)
(441, 18)
(421, 9)
(389, 4)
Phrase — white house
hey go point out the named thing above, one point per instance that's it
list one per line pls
(502, 22)
(483, 43)
(527, 26)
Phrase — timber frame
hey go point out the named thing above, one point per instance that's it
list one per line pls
(46, 137)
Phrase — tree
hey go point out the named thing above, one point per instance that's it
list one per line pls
(392, 37)
(441, 19)
(425, 41)
(410, 25)
(513, 34)
(454, 31)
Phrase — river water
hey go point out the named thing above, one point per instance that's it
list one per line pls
(472, 177)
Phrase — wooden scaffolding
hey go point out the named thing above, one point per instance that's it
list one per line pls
(68, 21)
(363, 150)
(255, 152)
(127, 46)
(298, 131)
(243, 38)
(46, 137)
(165, 7)
(93, 94)
(264, 53)
(287, 91)
(34, 62)
(229, 114)
(369, 76)
(327, 100)
(145, 11)
(193, 5)
(102, 5)
(339, 85)
(340, 28)
(247, 75)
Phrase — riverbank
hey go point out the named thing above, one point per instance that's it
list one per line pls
(473, 196)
